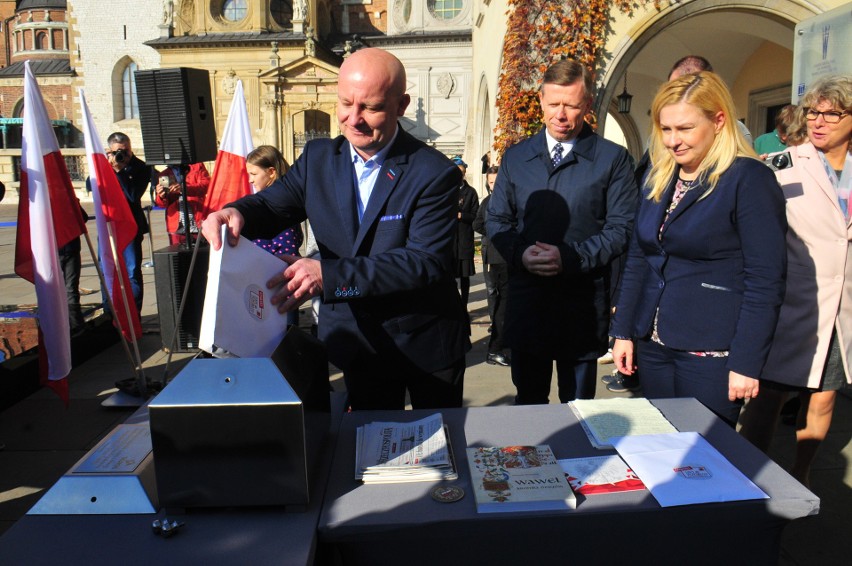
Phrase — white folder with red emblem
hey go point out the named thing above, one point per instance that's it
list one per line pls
(238, 316)
(682, 468)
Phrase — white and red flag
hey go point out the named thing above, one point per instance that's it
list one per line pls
(48, 218)
(230, 179)
(111, 210)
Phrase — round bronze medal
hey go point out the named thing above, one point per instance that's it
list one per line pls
(447, 493)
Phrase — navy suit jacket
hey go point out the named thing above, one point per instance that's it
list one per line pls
(585, 206)
(717, 274)
(388, 286)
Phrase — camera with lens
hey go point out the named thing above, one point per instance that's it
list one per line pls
(778, 161)
(119, 155)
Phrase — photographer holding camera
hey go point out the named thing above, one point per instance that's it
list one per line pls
(135, 178)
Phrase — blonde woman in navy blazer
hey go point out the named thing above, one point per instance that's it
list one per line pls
(704, 277)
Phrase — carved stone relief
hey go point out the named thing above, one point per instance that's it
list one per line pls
(446, 84)
(229, 82)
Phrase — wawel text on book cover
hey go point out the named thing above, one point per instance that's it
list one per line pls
(518, 478)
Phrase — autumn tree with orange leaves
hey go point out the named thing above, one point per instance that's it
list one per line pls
(539, 33)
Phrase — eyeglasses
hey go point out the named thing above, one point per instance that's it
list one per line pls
(830, 116)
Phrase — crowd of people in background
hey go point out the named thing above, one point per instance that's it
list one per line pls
(736, 285)
(734, 275)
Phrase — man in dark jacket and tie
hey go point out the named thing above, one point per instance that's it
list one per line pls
(561, 210)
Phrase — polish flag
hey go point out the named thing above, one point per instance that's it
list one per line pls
(230, 180)
(48, 218)
(111, 209)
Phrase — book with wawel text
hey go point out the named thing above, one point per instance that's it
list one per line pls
(518, 478)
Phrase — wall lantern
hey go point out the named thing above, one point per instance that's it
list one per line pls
(624, 99)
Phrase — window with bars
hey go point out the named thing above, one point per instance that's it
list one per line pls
(128, 92)
(282, 12)
(76, 164)
(445, 9)
(234, 10)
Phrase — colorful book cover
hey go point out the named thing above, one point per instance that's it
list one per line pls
(518, 478)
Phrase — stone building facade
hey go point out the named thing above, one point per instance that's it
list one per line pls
(107, 46)
(35, 31)
(287, 53)
(7, 11)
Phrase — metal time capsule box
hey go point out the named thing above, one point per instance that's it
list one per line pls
(233, 432)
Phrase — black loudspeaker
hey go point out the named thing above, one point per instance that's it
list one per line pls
(171, 268)
(176, 114)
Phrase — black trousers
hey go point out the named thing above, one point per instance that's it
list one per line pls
(497, 286)
(70, 263)
(380, 382)
(531, 374)
(674, 373)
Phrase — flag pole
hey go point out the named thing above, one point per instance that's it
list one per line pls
(141, 382)
(109, 301)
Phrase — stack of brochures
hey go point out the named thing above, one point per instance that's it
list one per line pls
(604, 419)
(388, 452)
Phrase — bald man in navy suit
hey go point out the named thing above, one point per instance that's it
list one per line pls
(382, 206)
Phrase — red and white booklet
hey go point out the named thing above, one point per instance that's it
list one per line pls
(600, 474)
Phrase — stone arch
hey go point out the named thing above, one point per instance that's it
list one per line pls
(644, 30)
(632, 136)
(18, 109)
(307, 124)
(307, 83)
(41, 42)
(117, 85)
(484, 131)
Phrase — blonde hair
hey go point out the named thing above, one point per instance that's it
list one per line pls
(266, 157)
(707, 92)
(836, 89)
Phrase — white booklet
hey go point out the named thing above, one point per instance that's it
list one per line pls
(682, 468)
(238, 316)
(604, 419)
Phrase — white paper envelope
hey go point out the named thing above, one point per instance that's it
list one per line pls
(682, 468)
(238, 316)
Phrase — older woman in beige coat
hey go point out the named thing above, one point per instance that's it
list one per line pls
(812, 348)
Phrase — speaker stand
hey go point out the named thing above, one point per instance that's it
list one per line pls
(184, 210)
